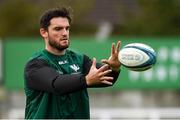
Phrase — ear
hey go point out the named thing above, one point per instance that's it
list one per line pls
(43, 33)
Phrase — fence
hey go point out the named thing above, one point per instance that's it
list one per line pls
(164, 75)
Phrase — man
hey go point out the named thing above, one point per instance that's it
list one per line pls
(57, 78)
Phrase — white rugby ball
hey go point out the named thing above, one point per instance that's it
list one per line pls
(137, 56)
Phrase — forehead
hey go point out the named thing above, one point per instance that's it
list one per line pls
(59, 21)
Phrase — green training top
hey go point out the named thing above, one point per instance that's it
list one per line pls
(42, 104)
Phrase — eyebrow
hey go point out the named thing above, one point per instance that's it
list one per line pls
(59, 26)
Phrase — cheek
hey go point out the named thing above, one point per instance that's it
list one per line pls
(55, 35)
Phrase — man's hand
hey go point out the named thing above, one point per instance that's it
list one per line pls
(98, 76)
(113, 61)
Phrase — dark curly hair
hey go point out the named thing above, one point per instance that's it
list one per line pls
(52, 13)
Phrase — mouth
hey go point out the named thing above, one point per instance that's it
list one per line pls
(64, 39)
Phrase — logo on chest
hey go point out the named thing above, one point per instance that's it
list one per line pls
(75, 67)
(62, 62)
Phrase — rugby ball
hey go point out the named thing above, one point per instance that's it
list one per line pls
(137, 56)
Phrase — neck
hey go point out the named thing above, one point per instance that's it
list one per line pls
(55, 51)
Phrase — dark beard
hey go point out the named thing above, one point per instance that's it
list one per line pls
(57, 46)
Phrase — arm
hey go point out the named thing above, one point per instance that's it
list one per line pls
(40, 76)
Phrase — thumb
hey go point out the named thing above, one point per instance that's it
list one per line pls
(94, 62)
(105, 61)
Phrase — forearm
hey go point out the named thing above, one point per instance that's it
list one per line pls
(69, 83)
(115, 75)
(39, 76)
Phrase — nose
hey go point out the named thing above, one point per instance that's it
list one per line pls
(65, 32)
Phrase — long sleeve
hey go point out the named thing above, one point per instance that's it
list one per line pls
(40, 76)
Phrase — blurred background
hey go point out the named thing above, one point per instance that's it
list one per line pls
(150, 95)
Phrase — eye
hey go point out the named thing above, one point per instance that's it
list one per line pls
(67, 28)
(58, 28)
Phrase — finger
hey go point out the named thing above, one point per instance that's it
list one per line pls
(94, 62)
(106, 72)
(103, 68)
(118, 46)
(106, 78)
(107, 82)
(105, 61)
(113, 48)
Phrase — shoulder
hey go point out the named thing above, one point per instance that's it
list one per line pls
(36, 60)
(37, 55)
(36, 63)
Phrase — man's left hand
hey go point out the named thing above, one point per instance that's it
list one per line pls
(113, 61)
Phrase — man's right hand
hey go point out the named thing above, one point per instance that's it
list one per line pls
(99, 76)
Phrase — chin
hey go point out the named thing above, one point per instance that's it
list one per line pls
(64, 46)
